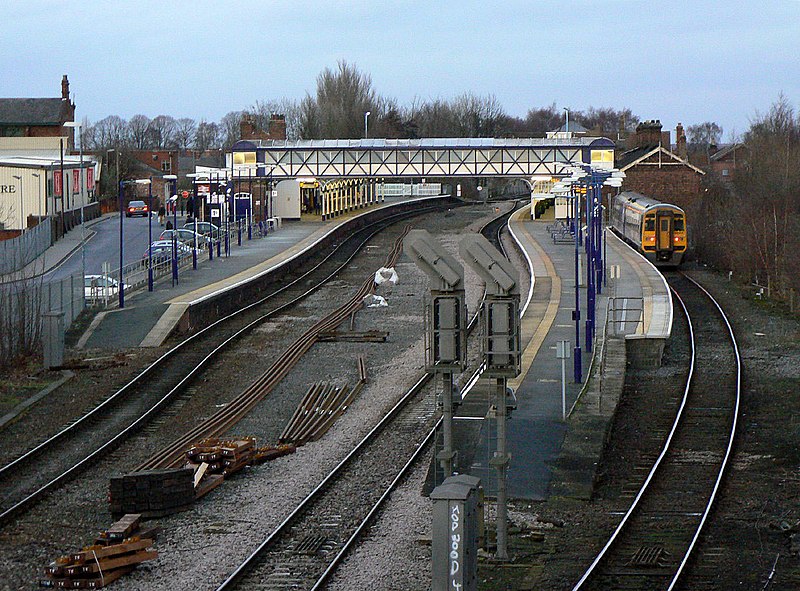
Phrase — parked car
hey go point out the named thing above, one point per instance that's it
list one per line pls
(162, 251)
(97, 288)
(204, 228)
(186, 236)
(137, 208)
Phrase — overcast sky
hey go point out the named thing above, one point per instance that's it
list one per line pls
(684, 60)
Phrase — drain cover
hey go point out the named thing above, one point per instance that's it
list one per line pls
(310, 545)
(649, 556)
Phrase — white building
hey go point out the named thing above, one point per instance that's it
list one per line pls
(38, 179)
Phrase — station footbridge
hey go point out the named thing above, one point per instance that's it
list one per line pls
(348, 174)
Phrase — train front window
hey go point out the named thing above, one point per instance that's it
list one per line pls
(649, 224)
(678, 224)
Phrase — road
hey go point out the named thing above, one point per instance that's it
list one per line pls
(102, 245)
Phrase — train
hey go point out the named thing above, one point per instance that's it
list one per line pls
(658, 230)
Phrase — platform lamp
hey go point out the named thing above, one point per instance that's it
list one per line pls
(366, 120)
(567, 185)
(173, 179)
(193, 176)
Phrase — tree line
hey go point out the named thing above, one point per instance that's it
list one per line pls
(751, 224)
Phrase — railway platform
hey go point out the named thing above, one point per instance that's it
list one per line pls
(149, 318)
(550, 455)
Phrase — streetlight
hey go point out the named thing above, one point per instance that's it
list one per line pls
(75, 125)
(21, 206)
(566, 128)
(366, 116)
(122, 185)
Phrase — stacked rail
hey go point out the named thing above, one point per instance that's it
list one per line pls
(232, 413)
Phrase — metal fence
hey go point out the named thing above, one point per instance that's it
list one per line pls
(408, 190)
(18, 252)
(24, 300)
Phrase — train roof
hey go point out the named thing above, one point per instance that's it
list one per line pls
(644, 202)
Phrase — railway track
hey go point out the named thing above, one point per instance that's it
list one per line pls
(305, 549)
(656, 537)
(61, 457)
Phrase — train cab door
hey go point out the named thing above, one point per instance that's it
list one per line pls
(664, 233)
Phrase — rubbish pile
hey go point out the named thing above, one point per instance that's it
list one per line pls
(116, 552)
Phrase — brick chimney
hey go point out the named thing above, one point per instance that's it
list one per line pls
(277, 127)
(64, 88)
(680, 142)
(648, 134)
(247, 127)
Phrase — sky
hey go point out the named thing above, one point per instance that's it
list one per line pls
(725, 61)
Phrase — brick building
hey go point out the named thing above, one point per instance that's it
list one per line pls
(654, 170)
(725, 160)
(276, 129)
(38, 117)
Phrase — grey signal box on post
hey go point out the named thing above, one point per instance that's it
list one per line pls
(501, 348)
(456, 524)
(447, 319)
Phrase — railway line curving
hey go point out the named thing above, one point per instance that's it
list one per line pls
(659, 529)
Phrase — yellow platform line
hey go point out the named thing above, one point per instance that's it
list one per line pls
(537, 321)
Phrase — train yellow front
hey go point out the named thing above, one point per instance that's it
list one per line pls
(656, 229)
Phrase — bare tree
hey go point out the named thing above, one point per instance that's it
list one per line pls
(137, 131)
(702, 139)
(607, 120)
(185, 129)
(477, 116)
(161, 133)
(230, 128)
(543, 119)
(207, 136)
(343, 97)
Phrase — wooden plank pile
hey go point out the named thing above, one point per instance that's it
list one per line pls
(213, 459)
(116, 552)
(152, 493)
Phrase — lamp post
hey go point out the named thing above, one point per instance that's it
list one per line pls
(173, 178)
(566, 128)
(122, 185)
(366, 128)
(74, 125)
(150, 236)
(21, 206)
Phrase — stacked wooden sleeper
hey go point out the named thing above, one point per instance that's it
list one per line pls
(116, 552)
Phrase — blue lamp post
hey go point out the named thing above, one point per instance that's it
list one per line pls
(150, 236)
(121, 290)
(173, 181)
(122, 185)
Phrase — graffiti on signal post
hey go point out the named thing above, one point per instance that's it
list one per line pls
(456, 527)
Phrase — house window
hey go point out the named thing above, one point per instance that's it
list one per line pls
(166, 166)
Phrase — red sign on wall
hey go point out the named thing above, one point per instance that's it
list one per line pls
(58, 184)
(90, 178)
(76, 180)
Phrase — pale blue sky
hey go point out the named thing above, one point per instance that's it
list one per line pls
(688, 61)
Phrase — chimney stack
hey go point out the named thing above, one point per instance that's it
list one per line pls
(680, 141)
(64, 88)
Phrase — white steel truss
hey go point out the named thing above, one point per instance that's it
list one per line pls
(462, 157)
